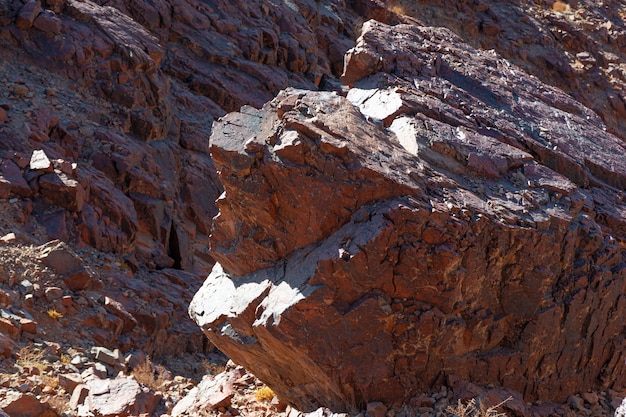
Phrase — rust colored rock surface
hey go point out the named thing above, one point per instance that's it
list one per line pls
(125, 103)
(452, 218)
(17, 404)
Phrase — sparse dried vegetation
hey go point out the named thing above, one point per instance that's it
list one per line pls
(264, 394)
(58, 404)
(212, 368)
(476, 408)
(53, 314)
(31, 357)
(151, 375)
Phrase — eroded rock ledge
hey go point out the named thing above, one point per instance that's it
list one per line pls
(452, 218)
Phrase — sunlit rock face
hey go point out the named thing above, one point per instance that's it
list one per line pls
(450, 218)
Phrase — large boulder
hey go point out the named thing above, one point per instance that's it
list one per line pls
(452, 219)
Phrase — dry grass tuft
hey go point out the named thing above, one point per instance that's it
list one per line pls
(476, 408)
(151, 375)
(559, 6)
(31, 357)
(398, 9)
(51, 381)
(53, 314)
(264, 394)
(58, 404)
(212, 368)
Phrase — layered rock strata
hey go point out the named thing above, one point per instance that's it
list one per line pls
(452, 218)
(121, 98)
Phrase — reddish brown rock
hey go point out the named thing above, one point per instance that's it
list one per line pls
(48, 22)
(28, 326)
(5, 188)
(443, 221)
(119, 397)
(108, 220)
(78, 280)
(62, 191)
(117, 309)
(210, 394)
(28, 13)
(7, 346)
(164, 93)
(13, 175)
(17, 404)
(67, 265)
(58, 256)
(7, 327)
(70, 381)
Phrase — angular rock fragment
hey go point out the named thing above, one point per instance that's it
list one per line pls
(62, 191)
(39, 161)
(12, 174)
(464, 225)
(210, 394)
(17, 404)
(60, 258)
(28, 13)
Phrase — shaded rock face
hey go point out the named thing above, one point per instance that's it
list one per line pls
(120, 97)
(452, 218)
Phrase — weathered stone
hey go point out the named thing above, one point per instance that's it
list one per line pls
(590, 397)
(78, 280)
(79, 395)
(62, 191)
(108, 221)
(56, 5)
(39, 161)
(58, 256)
(5, 188)
(116, 308)
(376, 409)
(70, 381)
(10, 329)
(28, 325)
(119, 397)
(7, 346)
(48, 22)
(53, 293)
(28, 13)
(210, 394)
(17, 404)
(107, 356)
(13, 175)
(453, 243)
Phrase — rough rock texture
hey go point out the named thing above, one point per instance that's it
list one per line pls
(452, 218)
(106, 108)
(118, 397)
(17, 404)
(115, 100)
(577, 46)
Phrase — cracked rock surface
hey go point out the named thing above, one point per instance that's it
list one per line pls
(452, 218)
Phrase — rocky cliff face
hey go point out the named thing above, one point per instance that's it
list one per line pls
(105, 113)
(130, 99)
(451, 218)
(442, 216)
